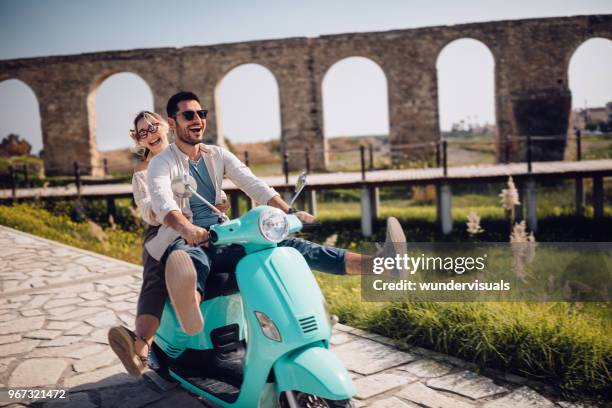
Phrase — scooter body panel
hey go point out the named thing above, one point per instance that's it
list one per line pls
(217, 312)
(303, 370)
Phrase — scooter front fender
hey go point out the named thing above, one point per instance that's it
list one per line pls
(313, 370)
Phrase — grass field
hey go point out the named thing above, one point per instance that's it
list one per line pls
(566, 344)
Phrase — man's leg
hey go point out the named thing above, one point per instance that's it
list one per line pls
(341, 261)
(186, 271)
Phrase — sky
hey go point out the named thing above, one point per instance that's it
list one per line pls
(249, 95)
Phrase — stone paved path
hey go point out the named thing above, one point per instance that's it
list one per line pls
(57, 303)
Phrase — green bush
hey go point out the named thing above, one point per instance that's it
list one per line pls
(567, 345)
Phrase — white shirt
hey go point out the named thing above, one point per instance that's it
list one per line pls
(142, 197)
(172, 163)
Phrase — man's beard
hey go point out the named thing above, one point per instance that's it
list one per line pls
(185, 137)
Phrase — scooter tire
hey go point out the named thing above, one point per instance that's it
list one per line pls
(312, 401)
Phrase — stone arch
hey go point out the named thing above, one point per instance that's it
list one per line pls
(94, 87)
(366, 100)
(572, 62)
(36, 137)
(272, 111)
(457, 102)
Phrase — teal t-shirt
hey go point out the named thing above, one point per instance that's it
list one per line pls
(203, 216)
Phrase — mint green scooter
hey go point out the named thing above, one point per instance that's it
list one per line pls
(265, 341)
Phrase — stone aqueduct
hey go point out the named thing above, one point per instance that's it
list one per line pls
(531, 81)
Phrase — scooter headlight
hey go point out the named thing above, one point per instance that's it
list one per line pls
(273, 225)
(268, 327)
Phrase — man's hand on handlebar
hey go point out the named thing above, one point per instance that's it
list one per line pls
(305, 217)
(194, 235)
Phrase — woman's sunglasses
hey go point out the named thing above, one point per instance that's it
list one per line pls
(189, 115)
(144, 133)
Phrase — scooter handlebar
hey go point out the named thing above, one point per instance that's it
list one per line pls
(311, 226)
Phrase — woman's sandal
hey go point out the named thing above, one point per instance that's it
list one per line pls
(122, 342)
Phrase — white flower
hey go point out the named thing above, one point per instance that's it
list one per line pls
(519, 233)
(509, 196)
(473, 224)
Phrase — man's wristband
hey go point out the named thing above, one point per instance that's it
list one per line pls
(292, 210)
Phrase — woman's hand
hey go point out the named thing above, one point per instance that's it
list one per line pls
(223, 205)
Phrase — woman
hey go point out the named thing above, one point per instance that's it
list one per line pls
(151, 136)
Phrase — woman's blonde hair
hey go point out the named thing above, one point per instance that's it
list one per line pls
(150, 118)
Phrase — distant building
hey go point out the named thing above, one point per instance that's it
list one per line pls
(592, 117)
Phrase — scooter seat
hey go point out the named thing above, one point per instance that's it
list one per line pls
(222, 280)
(220, 284)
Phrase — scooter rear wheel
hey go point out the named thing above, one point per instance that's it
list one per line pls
(313, 401)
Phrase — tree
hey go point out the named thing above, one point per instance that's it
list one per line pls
(13, 145)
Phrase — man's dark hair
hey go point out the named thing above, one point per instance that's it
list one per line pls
(172, 106)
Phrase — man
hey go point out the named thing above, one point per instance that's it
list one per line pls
(180, 243)
(187, 264)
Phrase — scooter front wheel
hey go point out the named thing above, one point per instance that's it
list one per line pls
(303, 400)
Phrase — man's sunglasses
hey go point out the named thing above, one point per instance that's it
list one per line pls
(144, 133)
(189, 115)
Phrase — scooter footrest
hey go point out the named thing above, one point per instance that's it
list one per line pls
(219, 389)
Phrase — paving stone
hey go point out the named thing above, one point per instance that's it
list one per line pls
(103, 377)
(53, 351)
(66, 295)
(59, 311)
(127, 319)
(5, 317)
(373, 385)
(135, 396)
(93, 303)
(9, 306)
(342, 327)
(121, 297)
(61, 341)
(37, 372)
(99, 336)
(17, 348)
(522, 397)
(122, 306)
(43, 334)
(467, 383)
(81, 312)
(22, 325)
(62, 302)
(81, 330)
(92, 295)
(31, 312)
(19, 299)
(106, 319)
(86, 351)
(341, 338)
(10, 338)
(423, 395)
(368, 357)
(61, 325)
(76, 400)
(117, 290)
(427, 368)
(392, 402)
(177, 398)
(5, 362)
(107, 357)
(121, 281)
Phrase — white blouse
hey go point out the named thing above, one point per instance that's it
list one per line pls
(142, 197)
